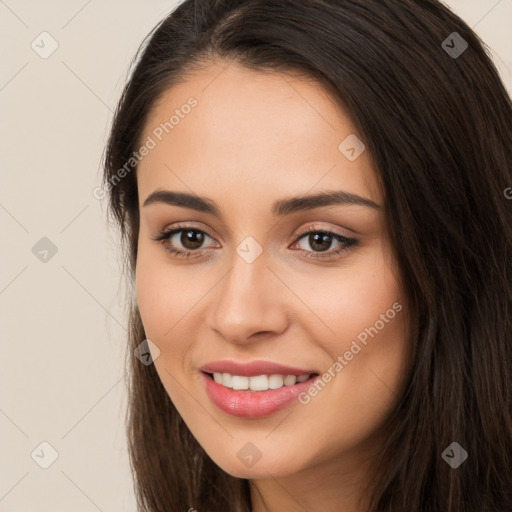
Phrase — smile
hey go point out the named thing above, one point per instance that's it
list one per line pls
(259, 382)
(241, 400)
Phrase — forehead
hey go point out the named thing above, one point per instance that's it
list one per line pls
(255, 132)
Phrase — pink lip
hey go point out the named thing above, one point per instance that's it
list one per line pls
(253, 404)
(253, 368)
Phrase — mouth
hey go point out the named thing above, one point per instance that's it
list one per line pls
(258, 383)
(255, 396)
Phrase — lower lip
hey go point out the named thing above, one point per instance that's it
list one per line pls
(253, 404)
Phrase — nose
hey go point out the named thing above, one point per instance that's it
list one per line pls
(248, 303)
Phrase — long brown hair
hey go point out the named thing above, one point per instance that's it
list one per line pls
(437, 121)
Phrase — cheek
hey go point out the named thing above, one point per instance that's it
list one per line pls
(161, 306)
(344, 302)
(168, 299)
(163, 294)
(362, 329)
(159, 297)
(152, 297)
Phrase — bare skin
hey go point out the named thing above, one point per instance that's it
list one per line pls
(255, 138)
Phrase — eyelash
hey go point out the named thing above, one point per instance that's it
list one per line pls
(163, 236)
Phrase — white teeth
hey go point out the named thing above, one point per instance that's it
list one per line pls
(227, 380)
(290, 380)
(257, 383)
(275, 381)
(240, 382)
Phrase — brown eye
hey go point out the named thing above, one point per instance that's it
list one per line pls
(320, 241)
(185, 241)
(192, 238)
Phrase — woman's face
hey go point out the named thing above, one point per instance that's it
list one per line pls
(278, 273)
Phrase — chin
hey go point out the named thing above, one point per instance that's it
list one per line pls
(261, 469)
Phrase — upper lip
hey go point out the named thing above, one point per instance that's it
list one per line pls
(253, 368)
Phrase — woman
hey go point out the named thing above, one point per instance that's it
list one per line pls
(312, 200)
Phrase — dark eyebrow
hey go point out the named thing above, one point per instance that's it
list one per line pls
(280, 208)
(201, 204)
(309, 202)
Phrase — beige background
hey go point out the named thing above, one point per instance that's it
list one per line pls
(62, 321)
